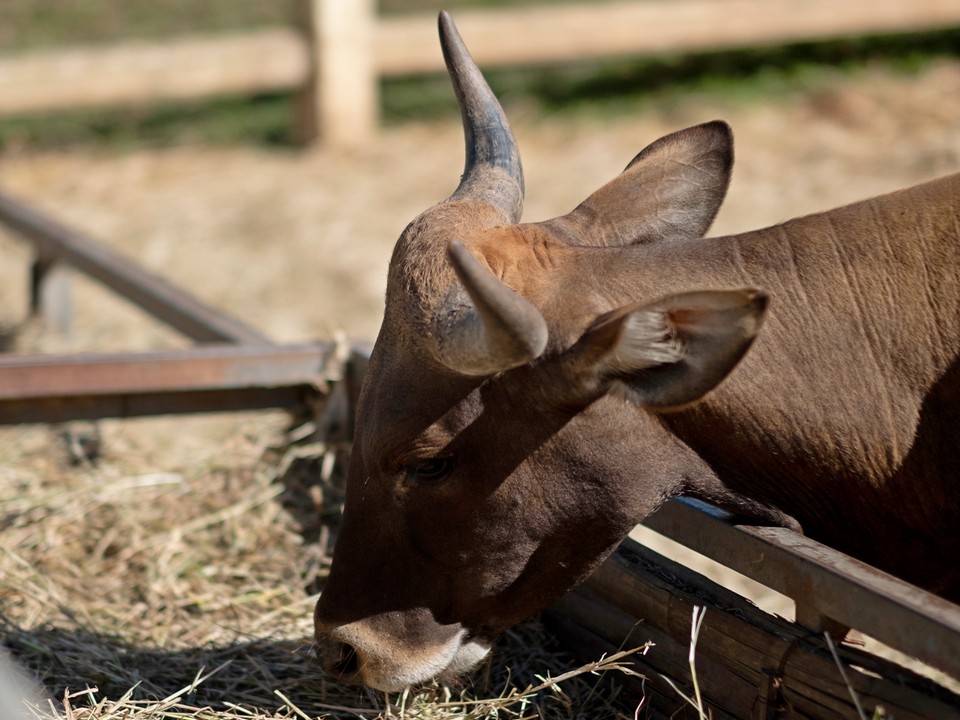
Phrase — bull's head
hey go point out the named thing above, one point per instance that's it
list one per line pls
(493, 466)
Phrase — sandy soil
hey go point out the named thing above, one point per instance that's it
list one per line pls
(297, 243)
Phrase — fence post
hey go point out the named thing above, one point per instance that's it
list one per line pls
(340, 104)
(51, 296)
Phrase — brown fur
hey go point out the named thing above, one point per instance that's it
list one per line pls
(472, 501)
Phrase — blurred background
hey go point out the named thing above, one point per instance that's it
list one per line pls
(265, 156)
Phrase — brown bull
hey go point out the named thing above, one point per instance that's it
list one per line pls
(538, 389)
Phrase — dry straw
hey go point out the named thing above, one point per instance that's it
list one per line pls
(179, 585)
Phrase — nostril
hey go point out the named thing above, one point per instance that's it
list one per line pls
(341, 661)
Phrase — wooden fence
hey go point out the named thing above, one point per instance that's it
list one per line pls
(335, 55)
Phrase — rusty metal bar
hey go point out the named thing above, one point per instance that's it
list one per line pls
(839, 587)
(131, 405)
(56, 388)
(56, 243)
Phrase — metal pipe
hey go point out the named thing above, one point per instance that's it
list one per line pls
(55, 242)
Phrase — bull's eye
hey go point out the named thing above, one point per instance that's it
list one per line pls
(430, 469)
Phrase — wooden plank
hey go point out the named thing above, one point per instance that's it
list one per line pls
(138, 73)
(788, 668)
(837, 586)
(565, 33)
(56, 243)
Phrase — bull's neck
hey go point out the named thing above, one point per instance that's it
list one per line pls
(879, 273)
(863, 327)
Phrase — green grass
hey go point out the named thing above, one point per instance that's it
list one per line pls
(262, 120)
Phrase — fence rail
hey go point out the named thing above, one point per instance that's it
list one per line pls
(824, 583)
(749, 664)
(335, 58)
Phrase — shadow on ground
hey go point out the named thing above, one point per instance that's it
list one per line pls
(243, 673)
(268, 678)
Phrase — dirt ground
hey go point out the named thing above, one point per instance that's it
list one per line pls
(297, 242)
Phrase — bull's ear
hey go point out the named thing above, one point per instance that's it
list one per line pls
(671, 352)
(672, 190)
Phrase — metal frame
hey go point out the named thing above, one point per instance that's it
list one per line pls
(56, 244)
(211, 378)
(239, 368)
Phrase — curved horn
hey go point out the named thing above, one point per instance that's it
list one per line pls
(501, 331)
(492, 172)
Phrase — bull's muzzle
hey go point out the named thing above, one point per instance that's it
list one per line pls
(395, 650)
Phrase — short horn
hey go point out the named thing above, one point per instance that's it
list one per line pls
(501, 330)
(492, 171)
